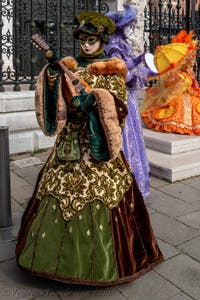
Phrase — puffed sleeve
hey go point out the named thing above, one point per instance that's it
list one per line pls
(50, 106)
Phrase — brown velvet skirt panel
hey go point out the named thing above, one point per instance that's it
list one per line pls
(28, 218)
(135, 248)
(135, 244)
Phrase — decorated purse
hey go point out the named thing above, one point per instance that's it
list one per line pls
(69, 148)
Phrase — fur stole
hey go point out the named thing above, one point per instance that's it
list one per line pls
(40, 110)
(109, 120)
(102, 67)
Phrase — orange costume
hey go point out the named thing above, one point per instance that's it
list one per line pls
(173, 103)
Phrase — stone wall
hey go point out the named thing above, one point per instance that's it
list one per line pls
(17, 112)
(137, 37)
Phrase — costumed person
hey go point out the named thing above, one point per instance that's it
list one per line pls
(86, 222)
(133, 141)
(173, 103)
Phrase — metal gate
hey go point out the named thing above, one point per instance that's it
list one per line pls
(52, 19)
(165, 18)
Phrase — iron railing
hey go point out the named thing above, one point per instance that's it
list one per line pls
(163, 21)
(20, 62)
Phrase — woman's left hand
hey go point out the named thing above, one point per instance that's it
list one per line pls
(83, 101)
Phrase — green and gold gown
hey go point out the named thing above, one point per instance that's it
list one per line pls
(86, 222)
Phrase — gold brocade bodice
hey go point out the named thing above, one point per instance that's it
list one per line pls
(75, 183)
(114, 83)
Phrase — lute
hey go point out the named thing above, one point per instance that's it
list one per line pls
(72, 83)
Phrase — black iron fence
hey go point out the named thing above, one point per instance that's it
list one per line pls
(165, 19)
(20, 62)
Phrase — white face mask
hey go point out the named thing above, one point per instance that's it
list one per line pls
(128, 31)
(89, 44)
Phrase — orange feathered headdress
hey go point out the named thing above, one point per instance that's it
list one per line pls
(187, 38)
(183, 37)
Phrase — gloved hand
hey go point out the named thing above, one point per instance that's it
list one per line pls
(83, 101)
(133, 61)
(138, 59)
(51, 56)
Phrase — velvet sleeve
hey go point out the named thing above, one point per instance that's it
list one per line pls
(50, 106)
(96, 135)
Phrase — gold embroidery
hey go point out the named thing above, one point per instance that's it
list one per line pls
(114, 83)
(54, 207)
(198, 108)
(74, 184)
(97, 206)
(166, 112)
(187, 109)
(43, 235)
(88, 232)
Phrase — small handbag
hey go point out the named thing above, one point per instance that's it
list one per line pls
(69, 147)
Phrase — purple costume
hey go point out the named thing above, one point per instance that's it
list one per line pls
(133, 142)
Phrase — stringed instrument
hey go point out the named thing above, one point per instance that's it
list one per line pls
(72, 84)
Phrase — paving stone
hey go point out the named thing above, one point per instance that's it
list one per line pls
(10, 297)
(22, 293)
(16, 222)
(26, 162)
(21, 190)
(183, 272)
(191, 219)
(47, 297)
(7, 250)
(154, 194)
(193, 182)
(12, 166)
(30, 174)
(15, 278)
(17, 284)
(150, 210)
(182, 191)
(150, 286)
(43, 155)
(197, 204)
(16, 207)
(101, 294)
(171, 231)
(180, 296)
(157, 182)
(192, 248)
(167, 250)
(14, 157)
(171, 206)
(39, 167)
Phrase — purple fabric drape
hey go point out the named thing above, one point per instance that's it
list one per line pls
(133, 141)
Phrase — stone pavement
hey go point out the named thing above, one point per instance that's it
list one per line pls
(174, 210)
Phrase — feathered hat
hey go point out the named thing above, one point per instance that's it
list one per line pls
(93, 23)
(123, 18)
(184, 37)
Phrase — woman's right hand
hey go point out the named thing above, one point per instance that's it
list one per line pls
(51, 56)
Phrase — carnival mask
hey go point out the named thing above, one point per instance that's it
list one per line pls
(89, 43)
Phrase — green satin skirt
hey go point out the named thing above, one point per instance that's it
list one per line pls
(98, 246)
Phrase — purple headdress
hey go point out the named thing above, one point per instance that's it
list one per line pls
(118, 43)
(118, 46)
(123, 18)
